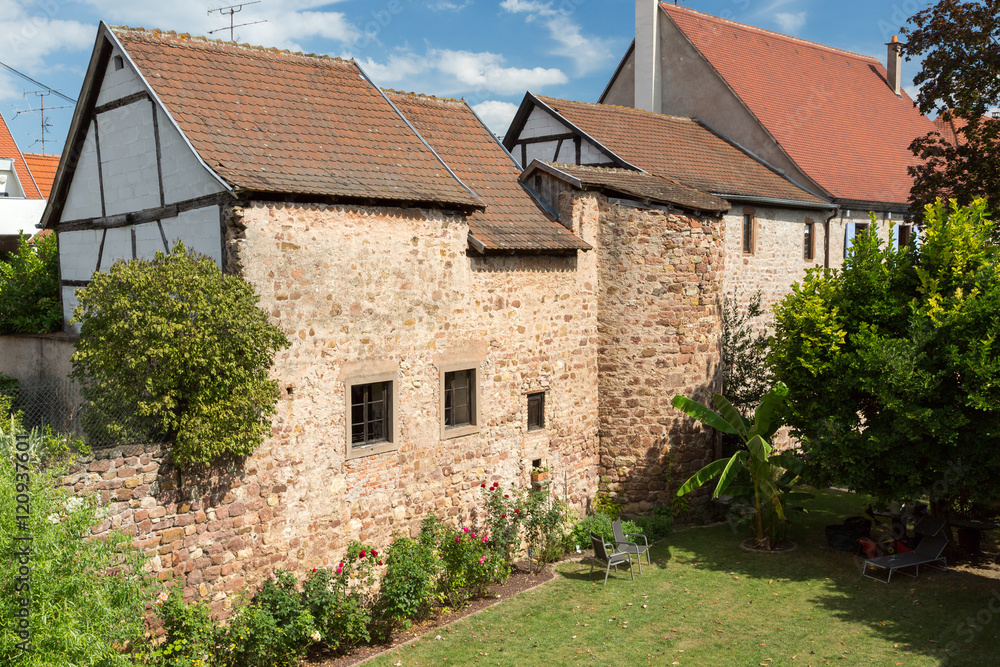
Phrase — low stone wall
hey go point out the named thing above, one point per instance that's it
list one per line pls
(208, 529)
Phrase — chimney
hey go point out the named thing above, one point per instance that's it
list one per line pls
(894, 65)
(647, 55)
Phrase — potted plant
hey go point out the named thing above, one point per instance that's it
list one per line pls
(539, 474)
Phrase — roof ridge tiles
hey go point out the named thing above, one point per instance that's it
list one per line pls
(422, 96)
(156, 32)
(798, 40)
(601, 105)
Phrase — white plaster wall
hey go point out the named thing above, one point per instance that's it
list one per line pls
(70, 302)
(184, 177)
(83, 199)
(120, 83)
(128, 158)
(200, 230)
(20, 215)
(589, 154)
(545, 151)
(78, 253)
(148, 241)
(541, 124)
(117, 245)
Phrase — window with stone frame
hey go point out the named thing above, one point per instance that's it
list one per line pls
(459, 399)
(371, 414)
(536, 411)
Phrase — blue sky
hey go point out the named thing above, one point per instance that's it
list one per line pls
(488, 51)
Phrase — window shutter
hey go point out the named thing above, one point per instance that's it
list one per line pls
(916, 235)
(849, 237)
(895, 236)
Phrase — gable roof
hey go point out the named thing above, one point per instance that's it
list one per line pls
(275, 122)
(513, 220)
(681, 149)
(9, 150)
(639, 184)
(43, 168)
(830, 110)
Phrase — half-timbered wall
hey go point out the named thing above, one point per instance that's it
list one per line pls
(545, 138)
(138, 187)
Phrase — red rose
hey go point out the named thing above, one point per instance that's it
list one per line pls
(362, 553)
(380, 562)
(517, 511)
(314, 569)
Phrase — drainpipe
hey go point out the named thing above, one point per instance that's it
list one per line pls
(826, 238)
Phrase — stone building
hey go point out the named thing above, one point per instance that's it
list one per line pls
(837, 124)
(451, 324)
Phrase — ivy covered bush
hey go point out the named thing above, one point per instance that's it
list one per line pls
(172, 348)
(29, 287)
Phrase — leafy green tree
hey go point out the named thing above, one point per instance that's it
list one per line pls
(29, 287)
(958, 43)
(893, 363)
(173, 348)
(745, 374)
(754, 474)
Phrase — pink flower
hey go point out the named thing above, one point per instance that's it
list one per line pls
(458, 539)
(362, 553)
(341, 565)
(484, 539)
(482, 560)
(339, 570)
(314, 569)
(466, 529)
(473, 534)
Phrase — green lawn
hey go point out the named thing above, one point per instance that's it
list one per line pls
(706, 602)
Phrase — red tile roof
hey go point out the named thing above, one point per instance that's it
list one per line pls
(639, 184)
(512, 219)
(10, 151)
(832, 111)
(679, 148)
(272, 121)
(43, 168)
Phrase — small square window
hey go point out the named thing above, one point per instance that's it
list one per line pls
(119, 63)
(536, 411)
(371, 414)
(809, 241)
(749, 233)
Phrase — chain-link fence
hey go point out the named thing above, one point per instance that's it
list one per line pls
(60, 405)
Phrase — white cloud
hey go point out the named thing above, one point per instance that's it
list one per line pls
(485, 70)
(789, 22)
(497, 115)
(288, 23)
(587, 52)
(403, 66)
(449, 6)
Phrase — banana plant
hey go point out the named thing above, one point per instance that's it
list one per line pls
(769, 480)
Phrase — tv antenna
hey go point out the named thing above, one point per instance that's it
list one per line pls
(232, 10)
(41, 94)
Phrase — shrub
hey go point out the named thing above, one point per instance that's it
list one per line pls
(600, 524)
(407, 586)
(29, 287)
(174, 348)
(341, 601)
(87, 595)
(192, 637)
(658, 524)
(545, 528)
(256, 639)
(279, 598)
(504, 515)
(470, 567)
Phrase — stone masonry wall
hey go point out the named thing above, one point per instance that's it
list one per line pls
(659, 293)
(360, 291)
